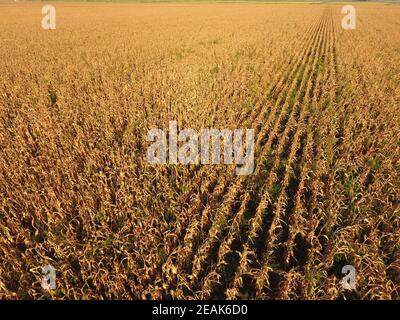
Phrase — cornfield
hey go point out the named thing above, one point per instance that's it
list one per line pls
(76, 191)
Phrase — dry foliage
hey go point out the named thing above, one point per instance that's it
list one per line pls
(77, 192)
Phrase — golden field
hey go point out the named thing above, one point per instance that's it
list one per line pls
(77, 192)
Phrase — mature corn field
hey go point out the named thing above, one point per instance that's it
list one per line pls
(77, 192)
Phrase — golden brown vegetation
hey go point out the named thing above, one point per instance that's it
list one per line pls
(77, 192)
